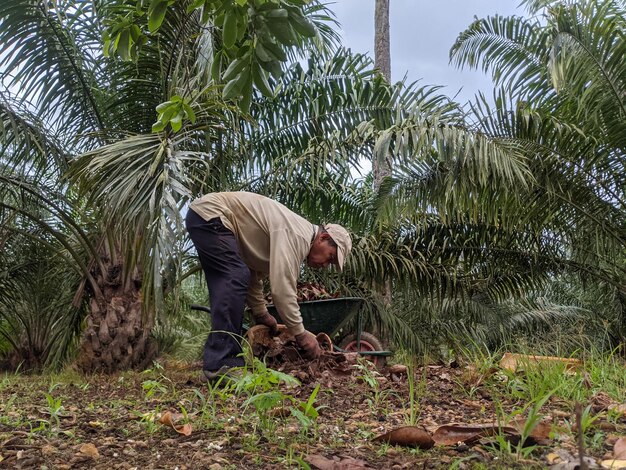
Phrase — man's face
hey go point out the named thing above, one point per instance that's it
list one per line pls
(323, 252)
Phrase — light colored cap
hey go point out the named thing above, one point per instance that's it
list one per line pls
(344, 243)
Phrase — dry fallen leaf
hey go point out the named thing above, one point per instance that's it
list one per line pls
(553, 458)
(408, 436)
(619, 449)
(324, 341)
(513, 362)
(540, 431)
(261, 340)
(169, 420)
(452, 434)
(613, 464)
(346, 463)
(618, 408)
(398, 369)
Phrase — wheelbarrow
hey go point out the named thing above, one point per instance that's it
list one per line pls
(330, 316)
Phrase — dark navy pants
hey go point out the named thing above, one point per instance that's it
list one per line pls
(227, 278)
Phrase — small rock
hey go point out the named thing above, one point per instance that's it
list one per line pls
(197, 443)
(89, 450)
(131, 452)
(48, 450)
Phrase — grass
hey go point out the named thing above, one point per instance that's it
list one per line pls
(268, 418)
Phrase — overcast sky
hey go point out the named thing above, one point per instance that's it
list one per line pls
(422, 33)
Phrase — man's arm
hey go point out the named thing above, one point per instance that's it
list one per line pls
(256, 302)
(255, 298)
(287, 252)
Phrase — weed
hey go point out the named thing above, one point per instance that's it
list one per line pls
(521, 450)
(290, 460)
(9, 404)
(383, 448)
(5, 412)
(306, 413)
(587, 425)
(6, 381)
(539, 379)
(416, 391)
(149, 421)
(261, 387)
(152, 387)
(607, 373)
(55, 408)
(155, 386)
(370, 378)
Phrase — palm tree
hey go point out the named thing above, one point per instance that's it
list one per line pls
(65, 98)
(562, 104)
(80, 144)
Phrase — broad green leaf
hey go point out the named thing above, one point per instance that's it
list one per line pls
(234, 87)
(156, 14)
(135, 32)
(235, 67)
(272, 67)
(191, 115)
(260, 79)
(216, 66)
(302, 26)
(274, 50)
(163, 106)
(246, 93)
(195, 5)
(123, 45)
(158, 126)
(177, 121)
(262, 54)
(277, 13)
(283, 31)
(229, 30)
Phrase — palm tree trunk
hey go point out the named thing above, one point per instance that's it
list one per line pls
(117, 331)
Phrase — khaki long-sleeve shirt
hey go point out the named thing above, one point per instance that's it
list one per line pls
(273, 241)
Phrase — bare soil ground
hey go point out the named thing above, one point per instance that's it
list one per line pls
(108, 421)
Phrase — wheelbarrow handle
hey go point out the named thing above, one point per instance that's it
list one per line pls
(200, 307)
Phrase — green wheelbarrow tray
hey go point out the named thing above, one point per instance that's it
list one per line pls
(330, 316)
(326, 315)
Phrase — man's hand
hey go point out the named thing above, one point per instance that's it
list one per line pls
(308, 342)
(268, 320)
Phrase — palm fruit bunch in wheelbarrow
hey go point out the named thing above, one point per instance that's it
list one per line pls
(326, 315)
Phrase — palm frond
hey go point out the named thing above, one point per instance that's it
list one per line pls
(52, 65)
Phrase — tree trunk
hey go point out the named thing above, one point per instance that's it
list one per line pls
(117, 332)
(382, 61)
(382, 54)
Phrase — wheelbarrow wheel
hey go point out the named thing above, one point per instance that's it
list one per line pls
(369, 343)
